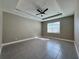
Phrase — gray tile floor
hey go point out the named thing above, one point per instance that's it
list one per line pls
(40, 49)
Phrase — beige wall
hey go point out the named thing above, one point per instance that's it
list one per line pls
(66, 28)
(17, 28)
(76, 24)
(0, 25)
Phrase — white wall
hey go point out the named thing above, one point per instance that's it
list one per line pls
(76, 26)
(19, 28)
(0, 25)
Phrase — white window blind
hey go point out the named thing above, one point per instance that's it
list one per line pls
(53, 27)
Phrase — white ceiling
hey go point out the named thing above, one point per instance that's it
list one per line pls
(28, 8)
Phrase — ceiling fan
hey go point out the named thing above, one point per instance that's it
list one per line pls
(41, 12)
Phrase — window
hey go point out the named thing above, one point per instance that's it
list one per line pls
(53, 27)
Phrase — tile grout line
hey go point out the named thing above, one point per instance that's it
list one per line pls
(57, 54)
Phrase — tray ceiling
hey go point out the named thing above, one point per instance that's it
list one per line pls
(31, 6)
(28, 8)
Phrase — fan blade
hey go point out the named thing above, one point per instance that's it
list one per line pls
(45, 10)
(39, 10)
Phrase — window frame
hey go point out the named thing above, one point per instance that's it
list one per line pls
(52, 31)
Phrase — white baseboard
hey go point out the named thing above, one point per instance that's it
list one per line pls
(76, 49)
(62, 39)
(55, 38)
(43, 38)
(4, 44)
(0, 50)
(65, 39)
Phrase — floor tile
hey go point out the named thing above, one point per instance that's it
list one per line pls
(40, 49)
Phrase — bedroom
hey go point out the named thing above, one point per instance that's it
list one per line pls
(39, 29)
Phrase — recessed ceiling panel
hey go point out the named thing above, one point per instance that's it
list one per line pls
(31, 6)
(28, 8)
